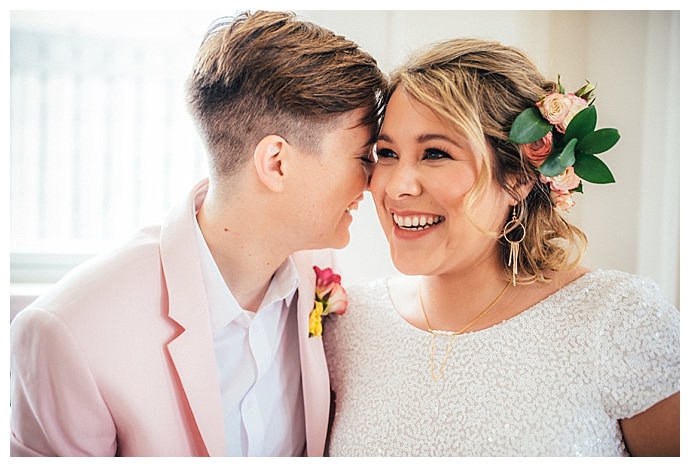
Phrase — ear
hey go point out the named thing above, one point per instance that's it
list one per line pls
(269, 161)
(521, 189)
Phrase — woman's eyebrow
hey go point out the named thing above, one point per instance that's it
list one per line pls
(423, 138)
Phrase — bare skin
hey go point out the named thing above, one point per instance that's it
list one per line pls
(656, 431)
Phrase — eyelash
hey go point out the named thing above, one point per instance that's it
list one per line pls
(436, 153)
(384, 153)
(431, 154)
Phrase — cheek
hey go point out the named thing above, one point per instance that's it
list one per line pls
(453, 186)
(377, 183)
(362, 178)
(377, 187)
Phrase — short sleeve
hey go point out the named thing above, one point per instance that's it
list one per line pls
(640, 348)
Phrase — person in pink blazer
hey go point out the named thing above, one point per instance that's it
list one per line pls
(201, 336)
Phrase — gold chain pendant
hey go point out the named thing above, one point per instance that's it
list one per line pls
(432, 357)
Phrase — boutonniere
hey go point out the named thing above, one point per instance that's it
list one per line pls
(329, 298)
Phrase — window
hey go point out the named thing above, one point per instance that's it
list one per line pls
(100, 139)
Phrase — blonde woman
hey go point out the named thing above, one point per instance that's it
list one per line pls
(495, 340)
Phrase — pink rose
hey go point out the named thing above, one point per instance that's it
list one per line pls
(554, 108)
(337, 301)
(330, 291)
(562, 201)
(325, 280)
(564, 182)
(538, 151)
(576, 105)
(559, 109)
(329, 297)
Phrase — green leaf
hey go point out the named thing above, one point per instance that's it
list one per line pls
(561, 89)
(586, 92)
(589, 167)
(529, 126)
(598, 141)
(558, 161)
(582, 124)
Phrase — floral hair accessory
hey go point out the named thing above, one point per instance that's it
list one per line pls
(557, 136)
(329, 298)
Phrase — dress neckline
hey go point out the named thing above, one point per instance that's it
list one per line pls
(515, 318)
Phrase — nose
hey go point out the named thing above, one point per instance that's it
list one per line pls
(404, 181)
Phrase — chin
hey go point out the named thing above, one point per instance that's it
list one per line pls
(340, 243)
(340, 237)
(406, 265)
(337, 241)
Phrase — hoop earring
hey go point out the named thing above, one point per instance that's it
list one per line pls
(513, 225)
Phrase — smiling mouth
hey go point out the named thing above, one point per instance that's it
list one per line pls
(352, 207)
(416, 223)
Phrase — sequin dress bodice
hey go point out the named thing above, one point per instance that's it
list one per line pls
(551, 381)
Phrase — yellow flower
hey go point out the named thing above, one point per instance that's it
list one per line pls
(315, 328)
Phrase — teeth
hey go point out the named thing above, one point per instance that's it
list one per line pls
(352, 207)
(416, 222)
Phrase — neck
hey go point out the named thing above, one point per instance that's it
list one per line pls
(243, 244)
(453, 301)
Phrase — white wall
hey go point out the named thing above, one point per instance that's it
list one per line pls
(632, 56)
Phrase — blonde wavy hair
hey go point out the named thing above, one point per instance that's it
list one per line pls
(479, 87)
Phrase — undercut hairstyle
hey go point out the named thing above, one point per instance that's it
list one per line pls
(263, 73)
(480, 87)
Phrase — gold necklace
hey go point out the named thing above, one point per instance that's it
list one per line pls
(451, 335)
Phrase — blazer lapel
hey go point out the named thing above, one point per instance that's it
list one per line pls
(315, 383)
(191, 351)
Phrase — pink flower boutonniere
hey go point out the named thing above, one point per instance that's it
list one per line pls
(329, 298)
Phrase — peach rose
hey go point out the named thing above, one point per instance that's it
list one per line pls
(538, 151)
(564, 182)
(576, 105)
(562, 201)
(559, 109)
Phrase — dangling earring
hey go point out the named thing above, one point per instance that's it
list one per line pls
(514, 225)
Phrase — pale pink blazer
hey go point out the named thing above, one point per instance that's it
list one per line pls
(118, 358)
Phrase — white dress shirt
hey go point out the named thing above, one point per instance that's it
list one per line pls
(258, 364)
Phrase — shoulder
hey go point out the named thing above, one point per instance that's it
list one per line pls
(621, 300)
(365, 302)
(625, 288)
(373, 297)
(363, 298)
(114, 280)
(140, 255)
(637, 339)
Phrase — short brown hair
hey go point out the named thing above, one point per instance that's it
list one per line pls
(480, 87)
(270, 73)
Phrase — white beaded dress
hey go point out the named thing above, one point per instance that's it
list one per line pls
(551, 381)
